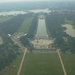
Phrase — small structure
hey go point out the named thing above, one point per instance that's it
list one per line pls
(18, 35)
(9, 34)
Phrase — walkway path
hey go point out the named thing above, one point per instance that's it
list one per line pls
(23, 55)
(22, 62)
(62, 64)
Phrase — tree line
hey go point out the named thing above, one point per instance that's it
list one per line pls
(8, 53)
(9, 50)
(11, 26)
(54, 22)
(33, 27)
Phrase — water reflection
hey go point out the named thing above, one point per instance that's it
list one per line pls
(41, 31)
(69, 30)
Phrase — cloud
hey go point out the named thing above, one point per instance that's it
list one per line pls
(32, 0)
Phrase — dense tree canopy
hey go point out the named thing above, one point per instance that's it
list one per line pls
(54, 22)
(33, 27)
(24, 40)
(11, 26)
(7, 54)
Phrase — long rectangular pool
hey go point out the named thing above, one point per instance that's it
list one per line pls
(41, 31)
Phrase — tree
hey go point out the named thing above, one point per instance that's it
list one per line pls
(24, 40)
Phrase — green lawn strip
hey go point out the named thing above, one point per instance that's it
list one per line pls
(5, 19)
(69, 63)
(25, 26)
(48, 33)
(35, 33)
(17, 64)
(68, 21)
(41, 64)
(73, 26)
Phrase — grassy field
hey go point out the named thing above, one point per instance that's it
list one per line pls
(25, 26)
(17, 64)
(68, 21)
(69, 63)
(47, 30)
(41, 64)
(4, 19)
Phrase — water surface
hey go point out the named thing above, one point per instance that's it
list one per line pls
(69, 30)
(12, 13)
(41, 31)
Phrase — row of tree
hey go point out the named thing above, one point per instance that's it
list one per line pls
(33, 27)
(8, 52)
(11, 26)
(24, 40)
(54, 22)
(6, 39)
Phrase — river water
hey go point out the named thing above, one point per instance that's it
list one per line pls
(12, 13)
(24, 12)
(41, 30)
(69, 30)
(40, 10)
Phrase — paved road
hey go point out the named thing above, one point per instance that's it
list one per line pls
(23, 55)
(22, 62)
(62, 64)
(43, 51)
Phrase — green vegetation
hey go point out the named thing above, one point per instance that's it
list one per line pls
(24, 40)
(7, 54)
(5, 37)
(11, 26)
(73, 27)
(68, 21)
(3, 19)
(33, 27)
(16, 63)
(41, 64)
(36, 29)
(54, 22)
(69, 63)
(48, 32)
(25, 26)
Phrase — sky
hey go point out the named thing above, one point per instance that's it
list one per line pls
(32, 0)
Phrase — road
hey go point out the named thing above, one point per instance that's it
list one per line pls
(16, 42)
(23, 55)
(62, 64)
(56, 51)
(43, 51)
(22, 62)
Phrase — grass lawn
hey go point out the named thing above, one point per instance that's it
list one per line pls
(25, 26)
(41, 64)
(48, 33)
(68, 21)
(73, 27)
(4, 19)
(17, 64)
(69, 63)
